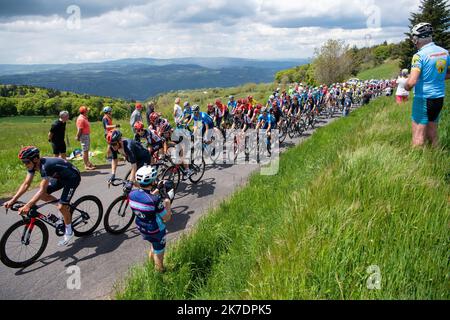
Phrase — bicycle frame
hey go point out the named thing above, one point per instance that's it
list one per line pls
(34, 215)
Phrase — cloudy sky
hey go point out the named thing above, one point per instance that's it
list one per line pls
(68, 31)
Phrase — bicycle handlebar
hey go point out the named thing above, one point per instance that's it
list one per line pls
(16, 206)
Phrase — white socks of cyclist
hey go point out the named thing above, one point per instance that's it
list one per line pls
(69, 229)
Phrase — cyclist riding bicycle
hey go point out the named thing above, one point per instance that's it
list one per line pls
(152, 213)
(154, 143)
(162, 128)
(187, 115)
(56, 174)
(266, 122)
(132, 150)
(205, 122)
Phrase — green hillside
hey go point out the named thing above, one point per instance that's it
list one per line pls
(388, 70)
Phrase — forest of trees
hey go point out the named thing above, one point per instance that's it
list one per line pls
(33, 101)
(335, 61)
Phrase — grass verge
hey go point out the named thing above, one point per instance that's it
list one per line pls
(352, 198)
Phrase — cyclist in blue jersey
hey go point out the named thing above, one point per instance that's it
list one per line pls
(56, 174)
(132, 150)
(276, 111)
(232, 104)
(266, 122)
(205, 122)
(430, 68)
(152, 213)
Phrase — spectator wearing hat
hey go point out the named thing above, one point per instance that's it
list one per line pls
(136, 116)
(401, 96)
(84, 136)
(57, 134)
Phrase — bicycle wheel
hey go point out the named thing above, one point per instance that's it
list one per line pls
(87, 213)
(118, 216)
(199, 171)
(283, 131)
(291, 129)
(20, 247)
(173, 174)
(301, 127)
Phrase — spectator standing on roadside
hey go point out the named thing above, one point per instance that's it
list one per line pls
(430, 68)
(84, 136)
(57, 134)
(150, 109)
(136, 116)
(177, 112)
(108, 123)
(402, 95)
(107, 120)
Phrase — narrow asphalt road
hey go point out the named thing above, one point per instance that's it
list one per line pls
(103, 258)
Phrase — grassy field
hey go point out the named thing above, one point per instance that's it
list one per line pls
(388, 70)
(22, 131)
(352, 199)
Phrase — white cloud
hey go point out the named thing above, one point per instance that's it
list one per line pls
(165, 29)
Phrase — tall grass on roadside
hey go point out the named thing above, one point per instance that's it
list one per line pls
(352, 196)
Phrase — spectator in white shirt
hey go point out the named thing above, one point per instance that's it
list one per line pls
(402, 94)
(177, 111)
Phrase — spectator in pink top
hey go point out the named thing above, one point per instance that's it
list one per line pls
(84, 136)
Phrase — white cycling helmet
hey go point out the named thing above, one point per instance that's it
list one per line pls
(422, 30)
(146, 175)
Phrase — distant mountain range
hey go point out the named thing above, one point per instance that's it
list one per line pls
(140, 79)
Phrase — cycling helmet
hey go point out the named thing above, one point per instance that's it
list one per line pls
(210, 107)
(422, 30)
(218, 102)
(186, 104)
(272, 97)
(138, 106)
(195, 108)
(263, 110)
(139, 126)
(231, 97)
(154, 116)
(244, 101)
(114, 136)
(146, 175)
(250, 98)
(166, 127)
(28, 153)
(107, 109)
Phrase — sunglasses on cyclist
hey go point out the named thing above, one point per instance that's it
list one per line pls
(26, 162)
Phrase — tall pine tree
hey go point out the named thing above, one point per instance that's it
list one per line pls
(436, 12)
